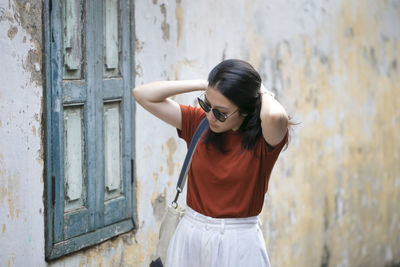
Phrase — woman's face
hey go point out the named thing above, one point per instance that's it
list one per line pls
(218, 101)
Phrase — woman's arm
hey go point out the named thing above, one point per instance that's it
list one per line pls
(274, 120)
(154, 97)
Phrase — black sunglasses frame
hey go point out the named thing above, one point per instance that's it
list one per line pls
(217, 114)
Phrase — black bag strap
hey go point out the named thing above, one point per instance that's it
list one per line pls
(188, 159)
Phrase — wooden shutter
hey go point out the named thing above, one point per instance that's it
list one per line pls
(91, 122)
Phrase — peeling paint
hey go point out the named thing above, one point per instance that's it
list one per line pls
(20, 175)
(13, 196)
(170, 147)
(3, 15)
(179, 20)
(36, 116)
(183, 64)
(12, 32)
(138, 45)
(155, 178)
(159, 206)
(33, 130)
(138, 71)
(28, 16)
(138, 191)
(164, 25)
(33, 64)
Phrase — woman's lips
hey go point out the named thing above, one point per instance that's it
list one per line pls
(213, 125)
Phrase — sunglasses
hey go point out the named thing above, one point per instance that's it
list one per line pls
(217, 114)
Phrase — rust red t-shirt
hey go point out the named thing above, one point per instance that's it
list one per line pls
(230, 185)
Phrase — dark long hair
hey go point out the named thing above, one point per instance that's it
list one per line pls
(238, 81)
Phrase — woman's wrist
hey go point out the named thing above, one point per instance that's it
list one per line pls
(192, 85)
(203, 85)
(264, 91)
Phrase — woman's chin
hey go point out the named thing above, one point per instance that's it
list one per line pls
(216, 129)
(213, 128)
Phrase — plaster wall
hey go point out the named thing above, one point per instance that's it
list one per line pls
(334, 193)
(21, 154)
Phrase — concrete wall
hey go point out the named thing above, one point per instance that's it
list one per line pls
(334, 194)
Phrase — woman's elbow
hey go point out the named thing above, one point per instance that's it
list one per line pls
(136, 93)
(280, 122)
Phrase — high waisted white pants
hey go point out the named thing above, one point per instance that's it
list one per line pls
(202, 241)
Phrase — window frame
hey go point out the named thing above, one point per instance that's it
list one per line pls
(54, 250)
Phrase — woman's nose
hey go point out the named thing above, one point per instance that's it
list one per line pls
(210, 116)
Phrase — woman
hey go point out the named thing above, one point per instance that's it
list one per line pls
(231, 166)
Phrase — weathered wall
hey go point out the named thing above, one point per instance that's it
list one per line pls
(337, 199)
(333, 195)
(21, 161)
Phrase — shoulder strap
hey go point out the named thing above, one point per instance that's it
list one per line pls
(188, 159)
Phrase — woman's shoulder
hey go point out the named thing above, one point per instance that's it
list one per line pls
(191, 118)
(194, 114)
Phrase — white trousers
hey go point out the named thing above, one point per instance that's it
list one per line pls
(202, 241)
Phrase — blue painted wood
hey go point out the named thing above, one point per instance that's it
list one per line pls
(95, 237)
(113, 88)
(114, 210)
(121, 208)
(74, 145)
(96, 90)
(112, 39)
(72, 38)
(112, 149)
(63, 226)
(127, 73)
(111, 34)
(74, 91)
(56, 72)
(76, 223)
(131, 103)
(48, 115)
(98, 219)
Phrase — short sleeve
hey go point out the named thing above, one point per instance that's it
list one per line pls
(191, 117)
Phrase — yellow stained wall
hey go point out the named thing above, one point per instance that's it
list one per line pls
(335, 199)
